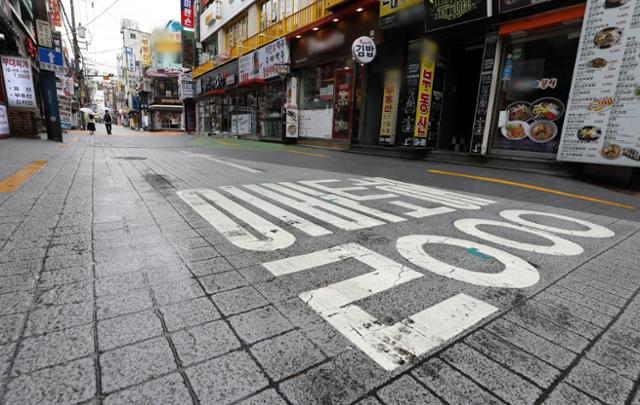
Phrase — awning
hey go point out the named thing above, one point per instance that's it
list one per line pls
(252, 82)
(163, 107)
(215, 92)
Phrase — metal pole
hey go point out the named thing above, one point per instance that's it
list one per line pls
(76, 52)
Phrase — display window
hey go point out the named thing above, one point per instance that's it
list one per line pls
(317, 87)
(272, 99)
(534, 84)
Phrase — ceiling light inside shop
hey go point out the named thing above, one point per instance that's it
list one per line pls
(298, 36)
(335, 20)
(359, 9)
(316, 28)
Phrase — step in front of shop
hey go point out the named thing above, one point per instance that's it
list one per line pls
(387, 151)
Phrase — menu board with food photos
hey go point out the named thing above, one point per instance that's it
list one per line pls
(603, 113)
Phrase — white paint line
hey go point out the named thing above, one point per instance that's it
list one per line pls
(390, 346)
(222, 162)
(344, 191)
(593, 231)
(517, 273)
(274, 237)
(560, 247)
(289, 218)
(421, 212)
(345, 202)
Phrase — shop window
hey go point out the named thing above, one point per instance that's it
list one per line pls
(273, 11)
(535, 81)
(317, 87)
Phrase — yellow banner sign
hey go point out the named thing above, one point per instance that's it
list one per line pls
(425, 92)
(392, 6)
(392, 83)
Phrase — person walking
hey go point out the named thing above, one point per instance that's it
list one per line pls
(108, 122)
(91, 123)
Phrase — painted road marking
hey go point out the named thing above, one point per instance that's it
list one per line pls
(222, 162)
(64, 146)
(389, 345)
(560, 247)
(517, 273)
(532, 187)
(306, 153)
(17, 179)
(593, 231)
(475, 252)
(228, 143)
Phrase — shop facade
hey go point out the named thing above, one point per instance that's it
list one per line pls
(327, 84)
(165, 111)
(215, 100)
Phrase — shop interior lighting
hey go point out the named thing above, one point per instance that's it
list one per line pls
(316, 28)
(359, 9)
(335, 20)
(298, 36)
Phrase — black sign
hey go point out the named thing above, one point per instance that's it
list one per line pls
(445, 13)
(167, 101)
(412, 83)
(220, 78)
(484, 93)
(509, 5)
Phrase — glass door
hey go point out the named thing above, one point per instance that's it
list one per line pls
(342, 103)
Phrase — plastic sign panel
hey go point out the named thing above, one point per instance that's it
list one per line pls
(399, 12)
(131, 61)
(18, 82)
(363, 50)
(390, 96)
(445, 13)
(603, 112)
(4, 120)
(186, 13)
(54, 13)
(45, 38)
(50, 59)
(425, 93)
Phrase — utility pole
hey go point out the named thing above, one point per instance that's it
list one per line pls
(76, 51)
(48, 85)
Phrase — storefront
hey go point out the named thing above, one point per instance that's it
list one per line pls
(217, 103)
(329, 83)
(166, 114)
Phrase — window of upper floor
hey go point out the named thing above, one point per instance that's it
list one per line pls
(236, 31)
(273, 11)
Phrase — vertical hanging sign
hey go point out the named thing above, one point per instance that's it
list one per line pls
(425, 92)
(186, 13)
(480, 131)
(392, 83)
(54, 13)
(408, 108)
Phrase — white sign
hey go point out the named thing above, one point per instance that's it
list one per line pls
(291, 121)
(603, 112)
(272, 57)
(45, 38)
(363, 50)
(186, 86)
(4, 120)
(18, 82)
(131, 60)
(241, 123)
(315, 123)
(249, 67)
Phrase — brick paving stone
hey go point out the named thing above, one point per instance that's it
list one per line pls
(600, 382)
(286, 355)
(265, 397)
(226, 379)
(63, 262)
(127, 329)
(136, 363)
(616, 358)
(368, 401)
(590, 291)
(120, 283)
(565, 394)
(210, 266)
(12, 303)
(47, 319)
(165, 390)
(54, 348)
(179, 291)
(20, 267)
(513, 358)
(201, 253)
(65, 294)
(276, 290)
(204, 342)
(406, 390)
(579, 311)
(18, 282)
(65, 276)
(259, 324)
(583, 300)
(450, 385)
(69, 383)
(238, 300)
(500, 381)
(223, 281)
(624, 336)
(6, 352)
(167, 275)
(189, 313)
(256, 274)
(109, 306)
(10, 327)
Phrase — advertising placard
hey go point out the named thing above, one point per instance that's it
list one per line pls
(18, 82)
(479, 133)
(425, 93)
(248, 67)
(394, 13)
(186, 85)
(445, 13)
(4, 120)
(603, 110)
(130, 59)
(391, 93)
(186, 13)
(291, 121)
(145, 49)
(271, 57)
(54, 13)
(412, 82)
(43, 29)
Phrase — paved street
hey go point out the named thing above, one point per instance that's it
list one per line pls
(161, 268)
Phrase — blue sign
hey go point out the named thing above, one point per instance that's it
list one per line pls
(50, 59)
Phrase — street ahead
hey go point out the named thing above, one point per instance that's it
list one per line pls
(165, 268)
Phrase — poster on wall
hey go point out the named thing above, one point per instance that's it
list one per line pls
(389, 116)
(4, 120)
(603, 112)
(424, 101)
(394, 13)
(248, 67)
(505, 6)
(411, 84)
(272, 57)
(445, 13)
(18, 82)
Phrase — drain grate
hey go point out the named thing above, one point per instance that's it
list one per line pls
(129, 158)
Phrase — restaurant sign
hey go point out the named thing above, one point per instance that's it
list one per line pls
(445, 13)
(509, 5)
